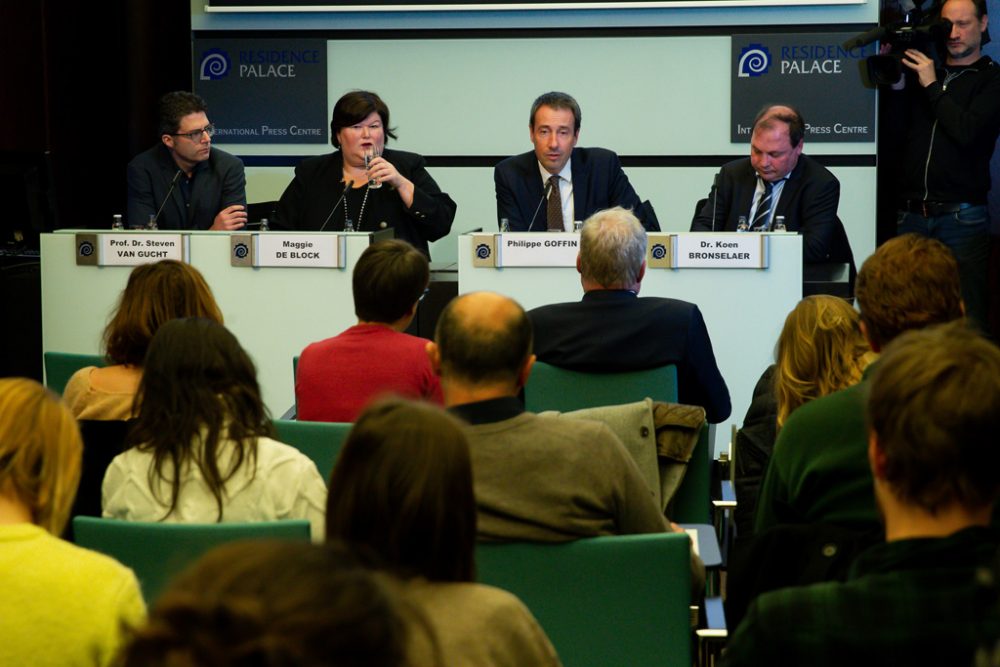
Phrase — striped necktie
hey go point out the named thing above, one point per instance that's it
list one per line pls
(763, 214)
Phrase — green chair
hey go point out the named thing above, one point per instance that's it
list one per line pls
(158, 551)
(320, 441)
(553, 388)
(60, 366)
(692, 503)
(619, 600)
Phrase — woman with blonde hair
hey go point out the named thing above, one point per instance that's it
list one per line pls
(155, 294)
(61, 605)
(402, 491)
(820, 350)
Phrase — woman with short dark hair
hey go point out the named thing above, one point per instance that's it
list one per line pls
(381, 188)
(201, 447)
(402, 490)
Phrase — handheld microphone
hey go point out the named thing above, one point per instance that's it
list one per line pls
(545, 195)
(715, 198)
(343, 196)
(163, 203)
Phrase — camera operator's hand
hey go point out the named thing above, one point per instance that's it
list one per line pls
(922, 65)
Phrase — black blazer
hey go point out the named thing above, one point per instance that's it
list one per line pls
(598, 183)
(613, 331)
(309, 198)
(808, 201)
(218, 182)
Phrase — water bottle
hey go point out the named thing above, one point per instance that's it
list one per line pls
(742, 226)
(779, 223)
(116, 222)
(264, 227)
(151, 225)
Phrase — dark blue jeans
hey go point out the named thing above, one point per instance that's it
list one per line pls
(967, 234)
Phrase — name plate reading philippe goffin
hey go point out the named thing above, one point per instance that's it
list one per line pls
(129, 248)
(541, 249)
(322, 251)
(720, 251)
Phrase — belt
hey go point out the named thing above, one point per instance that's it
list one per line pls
(929, 209)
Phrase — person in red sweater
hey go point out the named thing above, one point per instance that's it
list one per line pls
(339, 376)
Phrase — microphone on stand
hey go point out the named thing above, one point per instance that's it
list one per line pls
(163, 203)
(545, 195)
(715, 198)
(343, 196)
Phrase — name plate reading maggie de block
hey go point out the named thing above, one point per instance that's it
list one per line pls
(129, 248)
(525, 249)
(324, 251)
(720, 251)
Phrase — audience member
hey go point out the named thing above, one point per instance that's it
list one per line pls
(820, 350)
(614, 330)
(249, 604)
(402, 488)
(155, 294)
(61, 605)
(818, 471)
(537, 478)
(339, 376)
(201, 450)
(932, 416)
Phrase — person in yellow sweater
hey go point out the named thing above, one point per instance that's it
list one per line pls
(60, 605)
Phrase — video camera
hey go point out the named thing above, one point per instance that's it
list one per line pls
(925, 33)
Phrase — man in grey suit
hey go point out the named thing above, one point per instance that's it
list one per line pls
(182, 183)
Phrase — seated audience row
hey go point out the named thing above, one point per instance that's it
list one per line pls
(933, 412)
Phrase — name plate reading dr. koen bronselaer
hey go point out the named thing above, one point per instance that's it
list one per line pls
(720, 251)
(288, 250)
(525, 249)
(129, 248)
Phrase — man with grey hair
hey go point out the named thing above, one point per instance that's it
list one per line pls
(613, 330)
(557, 183)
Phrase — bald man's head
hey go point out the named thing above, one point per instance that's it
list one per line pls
(483, 338)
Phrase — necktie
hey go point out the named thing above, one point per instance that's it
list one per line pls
(553, 210)
(763, 209)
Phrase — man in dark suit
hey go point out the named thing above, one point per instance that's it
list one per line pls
(777, 180)
(557, 183)
(613, 330)
(198, 187)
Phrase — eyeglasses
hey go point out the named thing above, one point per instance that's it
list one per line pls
(196, 134)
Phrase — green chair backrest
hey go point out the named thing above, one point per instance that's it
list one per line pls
(692, 502)
(158, 551)
(60, 366)
(320, 441)
(553, 388)
(618, 600)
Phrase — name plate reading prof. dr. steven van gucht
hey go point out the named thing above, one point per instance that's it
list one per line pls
(557, 249)
(129, 248)
(325, 251)
(720, 251)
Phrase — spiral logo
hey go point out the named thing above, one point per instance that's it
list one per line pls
(755, 60)
(240, 250)
(482, 251)
(659, 251)
(86, 249)
(215, 65)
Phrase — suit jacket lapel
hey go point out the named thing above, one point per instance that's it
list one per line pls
(789, 194)
(580, 170)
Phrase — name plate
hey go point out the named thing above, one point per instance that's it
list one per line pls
(129, 248)
(525, 249)
(720, 251)
(323, 251)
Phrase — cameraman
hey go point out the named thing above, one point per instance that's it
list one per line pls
(954, 122)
